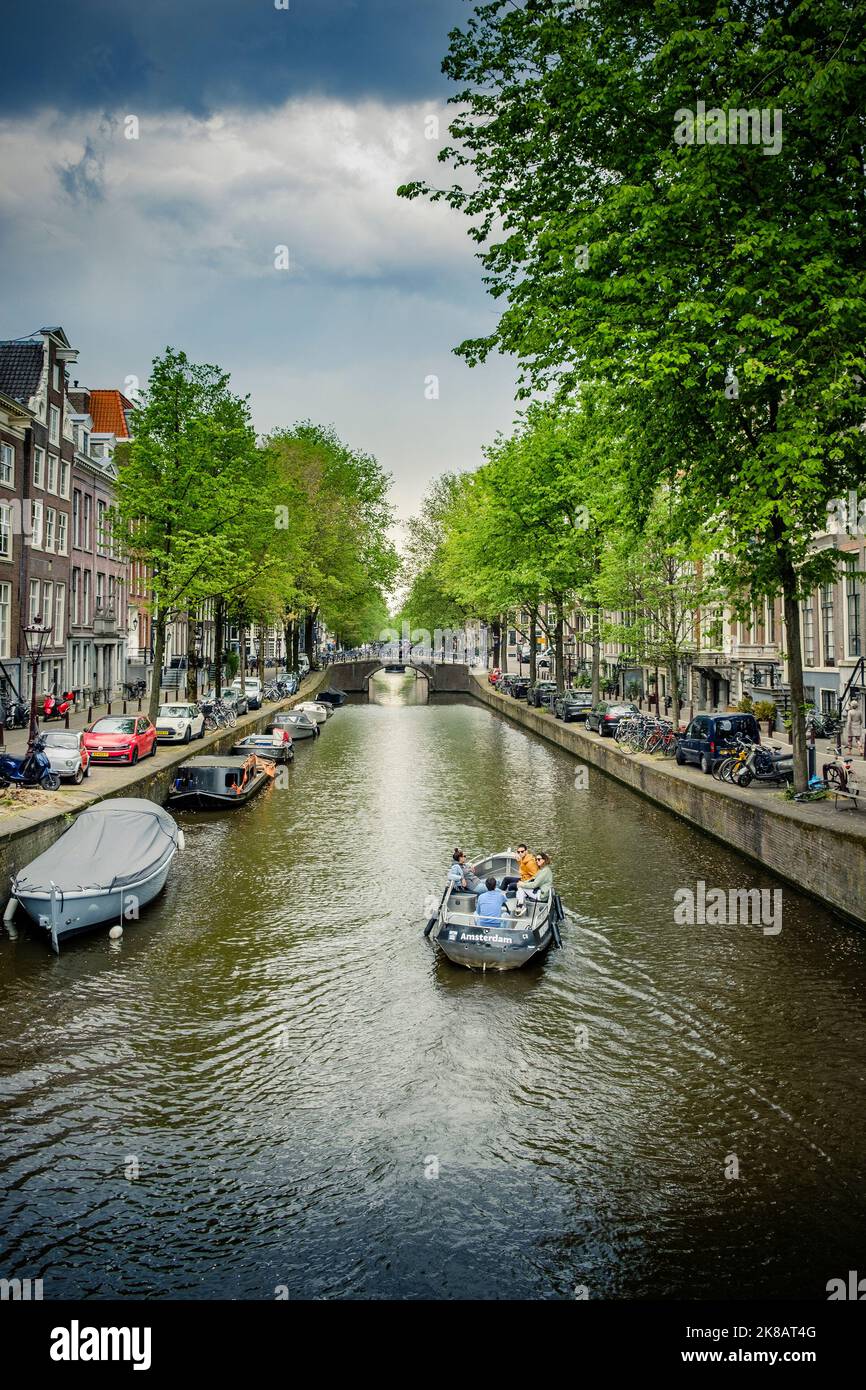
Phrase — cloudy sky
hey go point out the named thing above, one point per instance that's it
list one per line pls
(258, 128)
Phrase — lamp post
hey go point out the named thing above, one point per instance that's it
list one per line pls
(36, 636)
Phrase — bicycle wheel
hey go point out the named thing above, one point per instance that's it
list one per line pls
(835, 777)
(719, 768)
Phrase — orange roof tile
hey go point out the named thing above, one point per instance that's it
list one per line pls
(106, 412)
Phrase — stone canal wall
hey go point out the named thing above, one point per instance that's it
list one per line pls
(818, 849)
(30, 832)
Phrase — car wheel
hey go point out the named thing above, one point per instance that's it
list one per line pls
(153, 749)
(188, 735)
(680, 757)
(79, 776)
(133, 758)
(87, 770)
(706, 763)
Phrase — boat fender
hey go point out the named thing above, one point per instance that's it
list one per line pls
(181, 840)
(11, 909)
(116, 933)
(430, 925)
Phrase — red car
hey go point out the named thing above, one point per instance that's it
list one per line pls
(120, 738)
(494, 675)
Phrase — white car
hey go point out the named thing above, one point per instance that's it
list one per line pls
(179, 723)
(66, 753)
(252, 690)
(316, 711)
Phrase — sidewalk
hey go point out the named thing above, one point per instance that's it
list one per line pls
(15, 740)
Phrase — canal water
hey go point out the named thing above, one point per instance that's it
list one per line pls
(274, 1083)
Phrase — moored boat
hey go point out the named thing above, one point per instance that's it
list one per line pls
(333, 697)
(320, 713)
(264, 747)
(219, 782)
(299, 724)
(110, 863)
(513, 941)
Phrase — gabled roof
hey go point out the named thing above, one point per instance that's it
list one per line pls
(20, 369)
(106, 412)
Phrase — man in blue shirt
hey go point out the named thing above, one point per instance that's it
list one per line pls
(488, 908)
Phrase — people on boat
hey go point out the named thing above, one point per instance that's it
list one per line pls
(461, 875)
(488, 908)
(538, 888)
(528, 865)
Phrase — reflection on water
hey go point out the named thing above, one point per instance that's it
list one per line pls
(398, 688)
(313, 1098)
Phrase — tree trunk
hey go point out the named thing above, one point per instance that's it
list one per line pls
(533, 640)
(262, 653)
(242, 634)
(504, 638)
(296, 638)
(559, 646)
(795, 677)
(675, 693)
(595, 629)
(309, 635)
(496, 629)
(218, 655)
(158, 655)
(287, 639)
(191, 668)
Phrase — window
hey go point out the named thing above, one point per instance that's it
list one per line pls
(85, 602)
(54, 424)
(55, 376)
(87, 512)
(51, 483)
(85, 448)
(50, 524)
(7, 465)
(100, 589)
(5, 531)
(47, 602)
(38, 467)
(76, 518)
(64, 477)
(101, 533)
(771, 622)
(111, 592)
(828, 625)
(5, 610)
(59, 615)
(852, 609)
(829, 702)
(76, 591)
(34, 600)
(62, 538)
(808, 634)
(37, 510)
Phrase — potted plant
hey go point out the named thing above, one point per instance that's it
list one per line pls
(766, 710)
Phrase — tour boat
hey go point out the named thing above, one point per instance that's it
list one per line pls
(219, 782)
(513, 941)
(111, 862)
(264, 746)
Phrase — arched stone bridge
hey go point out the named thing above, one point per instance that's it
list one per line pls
(442, 676)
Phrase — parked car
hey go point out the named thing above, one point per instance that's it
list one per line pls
(65, 750)
(252, 690)
(303, 664)
(493, 676)
(541, 693)
(572, 704)
(604, 717)
(505, 682)
(708, 734)
(120, 738)
(179, 723)
(519, 687)
(236, 699)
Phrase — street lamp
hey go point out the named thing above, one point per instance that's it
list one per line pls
(36, 636)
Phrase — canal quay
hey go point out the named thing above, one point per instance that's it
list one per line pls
(274, 1086)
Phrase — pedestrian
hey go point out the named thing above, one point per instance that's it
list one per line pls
(854, 724)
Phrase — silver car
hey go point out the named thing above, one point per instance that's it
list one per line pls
(64, 749)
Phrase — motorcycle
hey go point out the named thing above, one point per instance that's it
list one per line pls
(14, 714)
(33, 770)
(52, 708)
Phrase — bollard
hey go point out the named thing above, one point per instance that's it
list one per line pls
(108, 710)
(139, 704)
(810, 752)
(124, 707)
(90, 714)
(66, 720)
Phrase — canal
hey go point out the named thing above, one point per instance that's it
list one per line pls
(274, 1083)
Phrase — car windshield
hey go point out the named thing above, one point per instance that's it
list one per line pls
(174, 712)
(114, 726)
(230, 694)
(58, 738)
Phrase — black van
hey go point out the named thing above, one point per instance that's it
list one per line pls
(705, 738)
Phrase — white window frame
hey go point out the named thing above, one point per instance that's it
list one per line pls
(38, 466)
(54, 424)
(7, 460)
(85, 599)
(6, 543)
(37, 522)
(75, 599)
(64, 478)
(50, 528)
(33, 601)
(59, 614)
(5, 621)
(62, 533)
(47, 603)
(51, 476)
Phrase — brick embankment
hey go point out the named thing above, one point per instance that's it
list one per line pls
(819, 849)
(27, 833)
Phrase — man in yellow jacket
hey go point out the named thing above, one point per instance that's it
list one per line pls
(528, 865)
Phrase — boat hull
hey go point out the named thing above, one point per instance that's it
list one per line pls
(197, 800)
(512, 942)
(82, 912)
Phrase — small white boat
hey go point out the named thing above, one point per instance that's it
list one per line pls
(321, 713)
(110, 863)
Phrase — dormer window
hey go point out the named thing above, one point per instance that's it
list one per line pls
(86, 445)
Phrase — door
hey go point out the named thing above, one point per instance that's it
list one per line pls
(692, 743)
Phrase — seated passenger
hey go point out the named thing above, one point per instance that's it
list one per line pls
(528, 868)
(488, 909)
(537, 889)
(462, 877)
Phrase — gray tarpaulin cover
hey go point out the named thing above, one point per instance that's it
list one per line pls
(110, 845)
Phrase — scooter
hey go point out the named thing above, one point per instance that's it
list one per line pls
(761, 765)
(52, 708)
(15, 714)
(33, 770)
